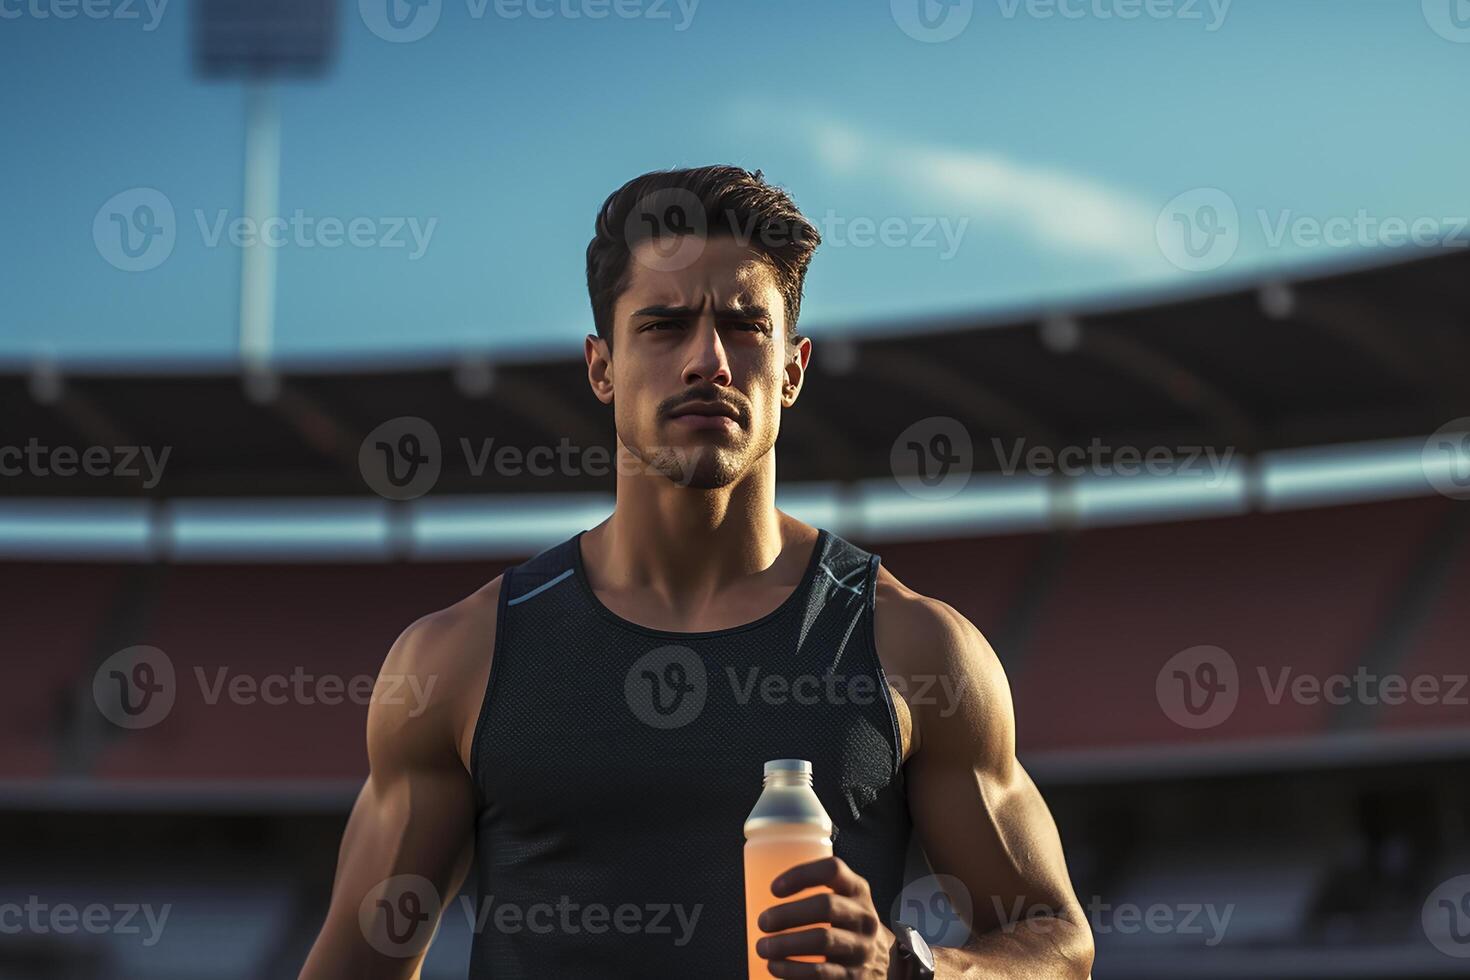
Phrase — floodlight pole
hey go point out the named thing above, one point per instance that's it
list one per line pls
(262, 200)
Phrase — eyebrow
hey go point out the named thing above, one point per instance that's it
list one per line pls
(752, 312)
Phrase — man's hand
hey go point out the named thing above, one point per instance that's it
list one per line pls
(850, 933)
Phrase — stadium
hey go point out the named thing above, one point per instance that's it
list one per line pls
(1323, 550)
(1215, 528)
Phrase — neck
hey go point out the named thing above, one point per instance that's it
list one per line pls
(684, 541)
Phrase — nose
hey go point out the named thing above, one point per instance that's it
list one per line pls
(708, 360)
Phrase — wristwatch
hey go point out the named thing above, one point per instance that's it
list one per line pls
(912, 955)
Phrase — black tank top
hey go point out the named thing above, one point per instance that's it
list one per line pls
(614, 767)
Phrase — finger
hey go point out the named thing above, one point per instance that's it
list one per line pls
(820, 971)
(832, 872)
(825, 908)
(837, 945)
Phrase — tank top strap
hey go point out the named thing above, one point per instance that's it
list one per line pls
(844, 568)
(839, 604)
(541, 573)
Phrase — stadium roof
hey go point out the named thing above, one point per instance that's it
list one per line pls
(1366, 355)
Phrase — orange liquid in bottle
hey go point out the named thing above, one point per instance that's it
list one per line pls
(768, 854)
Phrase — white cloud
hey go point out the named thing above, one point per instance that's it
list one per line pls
(1056, 210)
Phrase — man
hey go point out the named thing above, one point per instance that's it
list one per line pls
(602, 712)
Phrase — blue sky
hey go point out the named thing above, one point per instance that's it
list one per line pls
(1025, 161)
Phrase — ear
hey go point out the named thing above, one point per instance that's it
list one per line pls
(599, 368)
(798, 354)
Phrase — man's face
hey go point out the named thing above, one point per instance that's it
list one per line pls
(700, 365)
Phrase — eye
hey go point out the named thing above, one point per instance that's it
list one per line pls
(752, 326)
(663, 325)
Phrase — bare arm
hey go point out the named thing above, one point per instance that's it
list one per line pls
(978, 815)
(410, 837)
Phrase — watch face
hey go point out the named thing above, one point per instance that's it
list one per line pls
(922, 954)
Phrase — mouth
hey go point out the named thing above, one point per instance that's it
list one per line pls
(706, 415)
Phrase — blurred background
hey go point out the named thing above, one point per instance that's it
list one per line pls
(1141, 333)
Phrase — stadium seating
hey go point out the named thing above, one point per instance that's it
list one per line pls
(1309, 592)
(245, 624)
(1305, 591)
(981, 577)
(1441, 651)
(53, 615)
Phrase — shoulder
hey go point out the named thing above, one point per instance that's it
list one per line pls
(928, 633)
(940, 662)
(431, 683)
(439, 641)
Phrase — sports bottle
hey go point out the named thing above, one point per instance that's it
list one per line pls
(787, 827)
